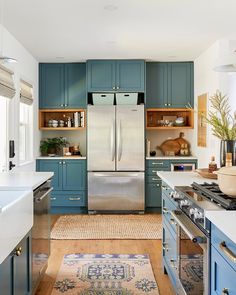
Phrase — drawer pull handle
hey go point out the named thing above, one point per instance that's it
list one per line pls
(172, 263)
(164, 187)
(155, 178)
(173, 221)
(225, 291)
(157, 185)
(154, 171)
(227, 252)
(164, 210)
(53, 199)
(159, 163)
(18, 251)
(165, 247)
(74, 199)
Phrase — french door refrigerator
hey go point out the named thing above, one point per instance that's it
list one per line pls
(115, 151)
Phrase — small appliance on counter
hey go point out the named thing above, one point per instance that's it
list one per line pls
(74, 150)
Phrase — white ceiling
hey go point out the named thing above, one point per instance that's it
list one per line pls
(149, 29)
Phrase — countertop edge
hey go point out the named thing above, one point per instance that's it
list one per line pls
(61, 158)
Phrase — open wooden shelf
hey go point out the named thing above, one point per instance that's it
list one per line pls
(154, 116)
(59, 114)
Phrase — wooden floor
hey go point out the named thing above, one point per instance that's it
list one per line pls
(61, 247)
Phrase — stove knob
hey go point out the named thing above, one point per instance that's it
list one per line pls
(184, 203)
(191, 211)
(172, 194)
(198, 215)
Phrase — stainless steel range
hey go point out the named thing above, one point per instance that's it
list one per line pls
(193, 233)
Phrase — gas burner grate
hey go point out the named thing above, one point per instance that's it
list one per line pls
(212, 191)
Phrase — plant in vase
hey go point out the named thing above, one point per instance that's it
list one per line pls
(223, 124)
(52, 145)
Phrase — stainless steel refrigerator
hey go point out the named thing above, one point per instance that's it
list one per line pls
(115, 152)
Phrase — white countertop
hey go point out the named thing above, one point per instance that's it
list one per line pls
(171, 158)
(182, 178)
(225, 221)
(23, 180)
(62, 158)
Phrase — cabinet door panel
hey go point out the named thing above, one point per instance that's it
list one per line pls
(52, 86)
(179, 84)
(101, 75)
(74, 175)
(75, 83)
(52, 166)
(130, 75)
(153, 194)
(6, 273)
(156, 85)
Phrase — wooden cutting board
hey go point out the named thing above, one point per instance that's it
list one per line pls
(170, 145)
(181, 139)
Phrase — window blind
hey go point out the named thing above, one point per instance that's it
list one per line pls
(7, 88)
(26, 92)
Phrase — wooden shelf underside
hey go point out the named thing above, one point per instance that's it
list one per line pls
(169, 127)
(62, 128)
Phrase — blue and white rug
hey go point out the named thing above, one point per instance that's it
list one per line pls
(105, 274)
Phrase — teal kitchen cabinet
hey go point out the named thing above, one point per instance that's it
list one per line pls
(69, 193)
(15, 271)
(169, 84)
(62, 85)
(116, 75)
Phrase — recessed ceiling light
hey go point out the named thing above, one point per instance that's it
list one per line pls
(110, 7)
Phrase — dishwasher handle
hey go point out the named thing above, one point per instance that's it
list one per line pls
(39, 199)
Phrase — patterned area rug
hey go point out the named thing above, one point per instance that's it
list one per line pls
(105, 274)
(95, 227)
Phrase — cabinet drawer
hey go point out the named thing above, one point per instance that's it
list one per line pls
(223, 276)
(167, 207)
(153, 171)
(224, 246)
(68, 199)
(153, 195)
(157, 163)
(153, 179)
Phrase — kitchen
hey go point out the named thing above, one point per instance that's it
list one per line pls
(164, 86)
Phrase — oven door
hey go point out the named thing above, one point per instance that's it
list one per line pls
(186, 167)
(193, 256)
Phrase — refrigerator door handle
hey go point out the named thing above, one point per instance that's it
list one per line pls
(113, 141)
(132, 174)
(119, 141)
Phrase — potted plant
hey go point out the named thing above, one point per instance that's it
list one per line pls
(52, 145)
(223, 124)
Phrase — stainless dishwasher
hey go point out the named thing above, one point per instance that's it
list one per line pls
(41, 232)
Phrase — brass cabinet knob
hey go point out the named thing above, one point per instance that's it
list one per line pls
(225, 291)
(18, 251)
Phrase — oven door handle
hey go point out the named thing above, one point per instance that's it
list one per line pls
(192, 231)
(38, 200)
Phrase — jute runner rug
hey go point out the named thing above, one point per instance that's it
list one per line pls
(87, 227)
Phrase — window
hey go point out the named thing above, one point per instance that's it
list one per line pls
(26, 133)
(4, 133)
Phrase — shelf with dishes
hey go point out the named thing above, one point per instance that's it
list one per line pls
(62, 119)
(163, 119)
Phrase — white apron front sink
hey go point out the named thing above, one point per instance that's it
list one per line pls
(16, 219)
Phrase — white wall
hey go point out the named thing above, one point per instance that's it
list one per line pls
(208, 81)
(26, 68)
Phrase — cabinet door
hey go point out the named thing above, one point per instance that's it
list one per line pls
(75, 85)
(180, 92)
(153, 195)
(101, 75)
(223, 276)
(74, 175)
(130, 75)
(51, 86)
(6, 272)
(156, 85)
(22, 269)
(52, 166)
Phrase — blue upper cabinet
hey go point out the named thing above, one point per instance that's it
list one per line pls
(180, 87)
(116, 75)
(51, 86)
(169, 84)
(101, 75)
(156, 84)
(62, 86)
(75, 85)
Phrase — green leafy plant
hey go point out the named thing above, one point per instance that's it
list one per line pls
(220, 117)
(55, 143)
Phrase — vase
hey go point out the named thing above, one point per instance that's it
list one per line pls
(227, 146)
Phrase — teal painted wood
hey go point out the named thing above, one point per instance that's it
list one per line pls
(75, 85)
(130, 75)
(156, 85)
(6, 276)
(153, 195)
(167, 207)
(180, 92)
(59, 210)
(74, 175)
(223, 276)
(68, 198)
(22, 269)
(101, 75)
(157, 164)
(51, 86)
(52, 166)
(153, 171)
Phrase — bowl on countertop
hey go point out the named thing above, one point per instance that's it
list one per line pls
(227, 180)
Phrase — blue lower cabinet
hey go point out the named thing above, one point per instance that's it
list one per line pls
(153, 195)
(15, 271)
(69, 184)
(223, 276)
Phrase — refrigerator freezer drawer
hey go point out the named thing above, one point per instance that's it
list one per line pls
(116, 191)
